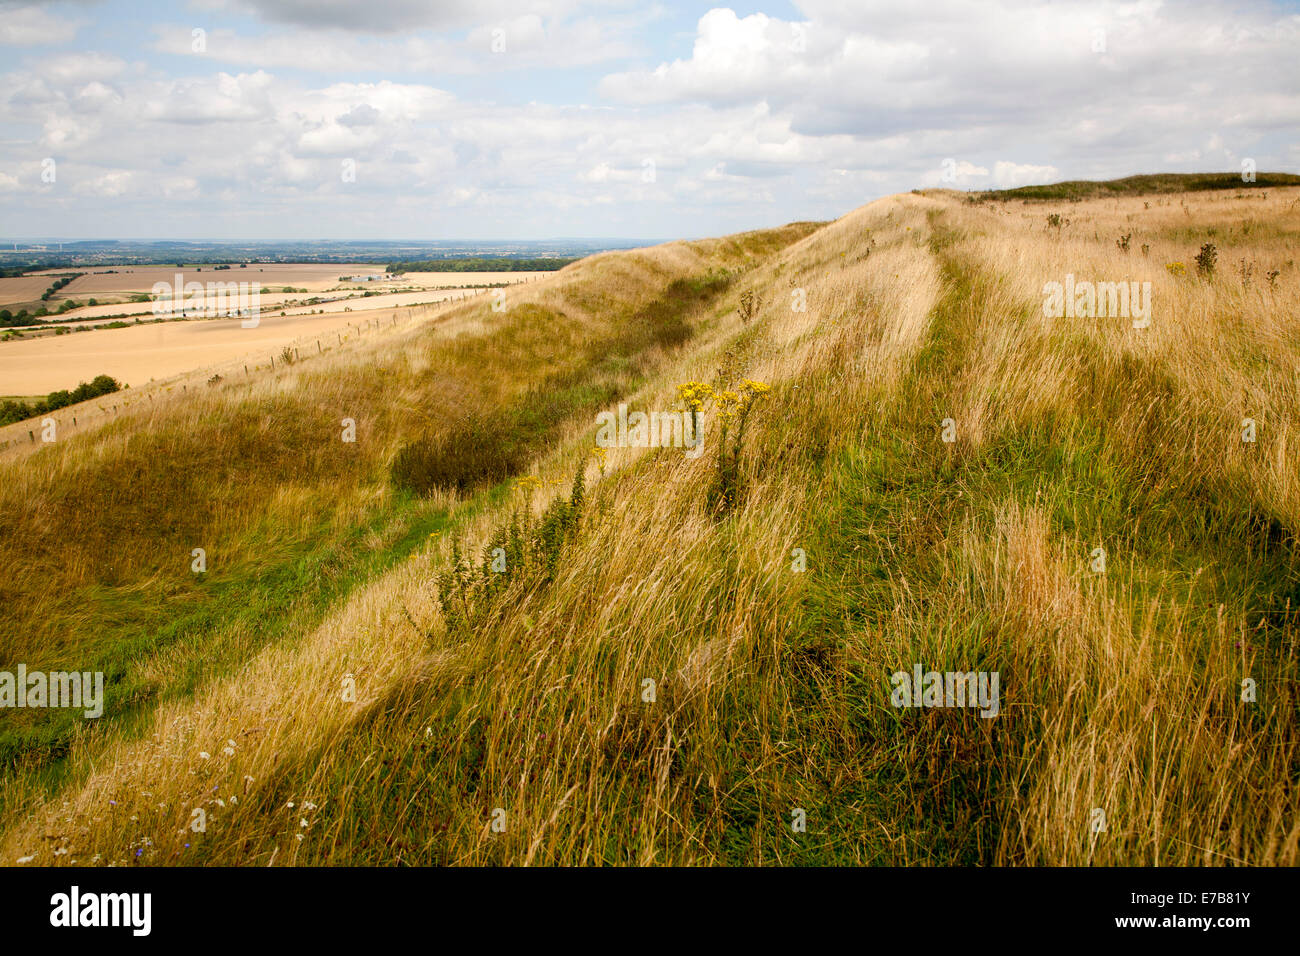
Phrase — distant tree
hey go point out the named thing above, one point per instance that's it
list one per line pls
(11, 411)
(103, 384)
(482, 264)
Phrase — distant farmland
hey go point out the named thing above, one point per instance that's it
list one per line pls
(43, 362)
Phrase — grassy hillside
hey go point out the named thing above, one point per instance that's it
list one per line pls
(1077, 189)
(96, 551)
(686, 655)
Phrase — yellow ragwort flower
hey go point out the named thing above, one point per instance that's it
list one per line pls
(693, 394)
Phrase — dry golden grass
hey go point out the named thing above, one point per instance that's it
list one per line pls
(1121, 690)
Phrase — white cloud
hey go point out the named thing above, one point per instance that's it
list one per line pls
(225, 98)
(733, 58)
(179, 187)
(871, 67)
(80, 67)
(1010, 175)
(363, 114)
(109, 185)
(507, 43)
(95, 97)
(753, 119)
(23, 24)
(380, 16)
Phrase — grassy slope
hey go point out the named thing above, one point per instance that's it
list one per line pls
(1146, 185)
(1121, 691)
(99, 530)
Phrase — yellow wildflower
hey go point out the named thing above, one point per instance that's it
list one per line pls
(693, 394)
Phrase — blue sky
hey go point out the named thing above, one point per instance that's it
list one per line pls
(474, 119)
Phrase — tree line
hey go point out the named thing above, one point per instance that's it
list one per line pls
(483, 264)
(12, 411)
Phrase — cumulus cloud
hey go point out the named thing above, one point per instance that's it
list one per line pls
(108, 185)
(497, 39)
(1010, 175)
(27, 24)
(381, 16)
(749, 118)
(363, 114)
(1103, 88)
(872, 67)
(224, 98)
(733, 59)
